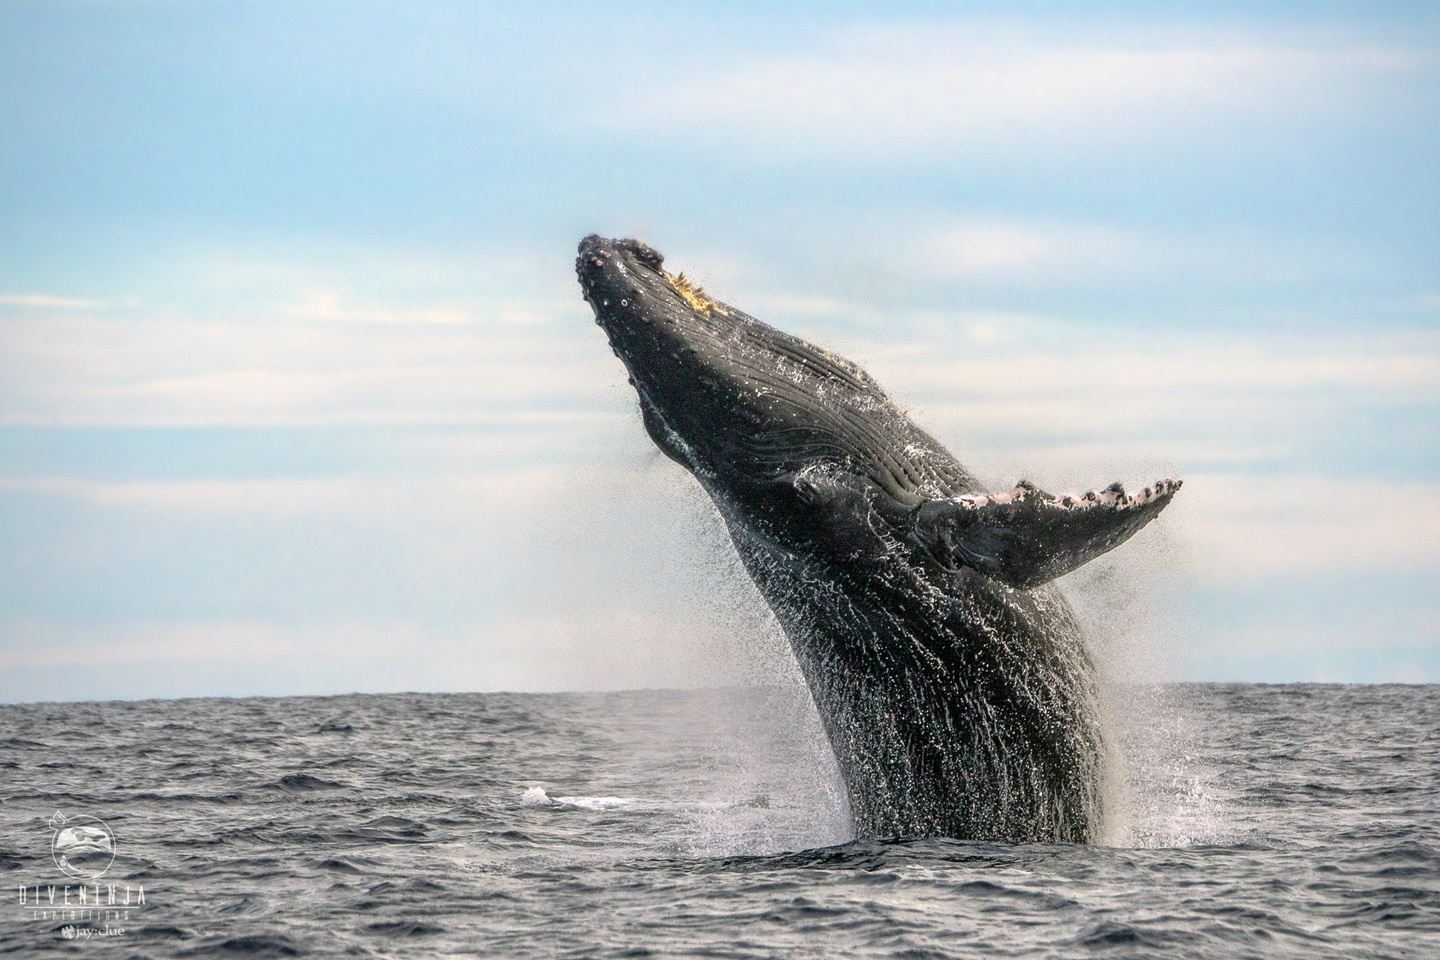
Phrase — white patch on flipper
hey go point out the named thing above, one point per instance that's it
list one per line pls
(1113, 496)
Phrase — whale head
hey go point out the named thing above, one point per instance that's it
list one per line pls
(720, 392)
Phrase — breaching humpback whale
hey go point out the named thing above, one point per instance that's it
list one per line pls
(950, 677)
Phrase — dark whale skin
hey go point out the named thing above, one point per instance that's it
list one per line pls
(957, 704)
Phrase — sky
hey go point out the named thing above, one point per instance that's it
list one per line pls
(298, 393)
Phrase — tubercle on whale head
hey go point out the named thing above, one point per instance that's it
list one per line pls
(626, 284)
(625, 274)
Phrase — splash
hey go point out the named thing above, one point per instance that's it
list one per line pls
(537, 797)
(1159, 791)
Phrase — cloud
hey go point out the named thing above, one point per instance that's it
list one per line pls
(1056, 253)
(379, 364)
(616, 648)
(1317, 643)
(270, 371)
(917, 87)
(1066, 408)
(323, 340)
(989, 247)
(1244, 529)
(1049, 360)
(45, 301)
(328, 306)
(458, 497)
(1023, 257)
(36, 644)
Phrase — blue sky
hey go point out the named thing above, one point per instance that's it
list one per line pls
(297, 392)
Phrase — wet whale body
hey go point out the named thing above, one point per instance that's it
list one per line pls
(949, 674)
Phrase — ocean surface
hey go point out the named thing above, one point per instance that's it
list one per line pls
(1259, 821)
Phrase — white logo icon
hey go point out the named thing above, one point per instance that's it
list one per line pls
(82, 847)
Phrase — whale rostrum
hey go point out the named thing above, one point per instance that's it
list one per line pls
(949, 673)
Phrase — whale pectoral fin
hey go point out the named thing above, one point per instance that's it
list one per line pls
(1028, 537)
